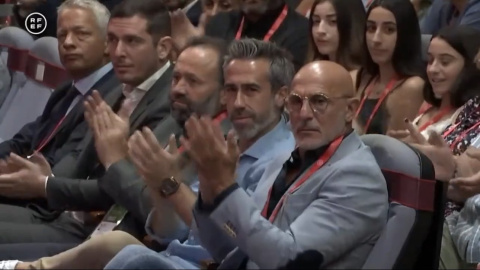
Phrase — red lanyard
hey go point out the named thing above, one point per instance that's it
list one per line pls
(368, 3)
(424, 108)
(458, 138)
(272, 30)
(47, 139)
(385, 93)
(316, 166)
(217, 119)
(435, 118)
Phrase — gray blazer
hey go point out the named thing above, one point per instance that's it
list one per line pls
(340, 212)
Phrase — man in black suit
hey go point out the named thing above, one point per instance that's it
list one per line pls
(139, 46)
(61, 126)
(202, 60)
(268, 20)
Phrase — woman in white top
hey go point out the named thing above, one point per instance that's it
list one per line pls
(448, 86)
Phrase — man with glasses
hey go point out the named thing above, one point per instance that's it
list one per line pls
(329, 197)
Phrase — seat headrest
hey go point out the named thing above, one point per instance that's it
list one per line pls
(16, 37)
(14, 45)
(46, 49)
(393, 155)
(43, 63)
(404, 169)
(425, 44)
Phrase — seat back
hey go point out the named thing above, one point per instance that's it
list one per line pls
(44, 73)
(15, 44)
(425, 44)
(412, 236)
(6, 12)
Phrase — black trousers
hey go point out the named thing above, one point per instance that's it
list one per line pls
(25, 225)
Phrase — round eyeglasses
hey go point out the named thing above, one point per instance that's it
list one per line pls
(318, 102)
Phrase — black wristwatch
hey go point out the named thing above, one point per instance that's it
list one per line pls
(168, 186)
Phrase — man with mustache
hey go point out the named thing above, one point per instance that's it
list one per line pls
(196, 85)
(257, 75)
(85, 180)
(268, 20)
(329, 196)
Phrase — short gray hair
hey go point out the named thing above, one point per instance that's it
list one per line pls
(102, 14)
(282, 69)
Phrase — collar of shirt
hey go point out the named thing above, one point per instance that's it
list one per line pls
(311, 156)
(265, 144)
(189, 6)
(148, 83)
(84, 85)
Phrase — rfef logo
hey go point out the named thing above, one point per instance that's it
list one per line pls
(35, 23)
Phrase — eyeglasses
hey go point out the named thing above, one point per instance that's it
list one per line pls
(318, 102)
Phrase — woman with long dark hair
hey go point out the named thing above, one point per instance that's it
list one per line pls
(455, 150)
(389, 83)
(336, 32)
(452, 79)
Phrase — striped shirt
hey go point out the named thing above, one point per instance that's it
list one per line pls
(464, 226)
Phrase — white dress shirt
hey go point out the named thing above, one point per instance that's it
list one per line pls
(133, 95)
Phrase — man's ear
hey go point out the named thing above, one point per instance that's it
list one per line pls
(352, 106)
(164, 48)
(280, 96)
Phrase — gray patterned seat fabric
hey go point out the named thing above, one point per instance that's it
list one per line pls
(34, 93)
(412, 236)
(19, 39)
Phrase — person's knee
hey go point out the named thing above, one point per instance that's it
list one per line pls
(124, 258)
(139, 257)
(105, 247)
(133, 250)
(120, 239)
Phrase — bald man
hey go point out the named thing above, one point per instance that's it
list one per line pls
(329, 196)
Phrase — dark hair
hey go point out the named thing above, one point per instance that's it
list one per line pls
(407, 55)
(466, 41)
(216, 44)
(282, 69)
(351, 18)
(154, 11)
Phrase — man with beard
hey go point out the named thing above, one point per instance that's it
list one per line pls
(196, 77)
(268, 20)
(87, 179)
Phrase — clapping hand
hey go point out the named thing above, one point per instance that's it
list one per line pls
(27, 181)
(437, 150)
(153, 162)
(410, 135)
(110, 130)
(214, 156)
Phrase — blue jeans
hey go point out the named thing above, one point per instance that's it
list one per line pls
(140, 257)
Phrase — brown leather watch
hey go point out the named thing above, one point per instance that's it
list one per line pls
(168, 186)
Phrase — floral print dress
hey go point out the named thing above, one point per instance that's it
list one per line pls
(461, 134)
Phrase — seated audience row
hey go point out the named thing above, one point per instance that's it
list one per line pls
(221, 152)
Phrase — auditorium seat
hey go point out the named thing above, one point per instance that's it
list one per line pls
(15, 44)
(6, 12)
(44, 73)
(412, 236)
(425, 43)
(5, 81)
